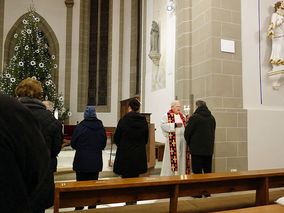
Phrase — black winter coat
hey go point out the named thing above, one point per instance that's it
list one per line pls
(131, 137)
(89, 139)
(50, 127)
(52, 133)
(23, 156)
(200, 132)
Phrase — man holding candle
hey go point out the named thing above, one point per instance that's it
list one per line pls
(176, 160)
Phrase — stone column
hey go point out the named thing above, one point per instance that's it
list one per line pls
(69, 6)
(1, 32)
(183, 73)
(215, 76)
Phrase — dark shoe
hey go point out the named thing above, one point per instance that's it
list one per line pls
(79, 208)
(197, 196)
(92, 207)
(207, 196)
(131, 203)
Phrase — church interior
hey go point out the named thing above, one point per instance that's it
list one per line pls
(108, 52)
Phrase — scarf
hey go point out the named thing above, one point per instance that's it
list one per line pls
(172, 145)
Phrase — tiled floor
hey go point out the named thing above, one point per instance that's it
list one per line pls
(65, 159)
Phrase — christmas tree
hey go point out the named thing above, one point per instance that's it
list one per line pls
(32, 59)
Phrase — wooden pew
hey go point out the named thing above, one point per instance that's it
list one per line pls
(275, 208)
(83, 193)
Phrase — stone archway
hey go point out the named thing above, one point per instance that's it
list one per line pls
(10, 43)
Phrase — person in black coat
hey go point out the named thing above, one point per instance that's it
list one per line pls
(23, 156)
(29, 93)
(200, 135)
(131, 137)
(88, 139)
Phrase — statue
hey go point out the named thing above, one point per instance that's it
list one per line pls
(154, 48)
(154, 37)
(276, 33)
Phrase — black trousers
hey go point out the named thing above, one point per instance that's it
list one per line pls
(81, 176)
(201, 164)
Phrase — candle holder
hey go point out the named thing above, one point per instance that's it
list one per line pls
(186, 109)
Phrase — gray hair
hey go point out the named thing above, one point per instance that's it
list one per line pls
(49, 105)
(174, 103)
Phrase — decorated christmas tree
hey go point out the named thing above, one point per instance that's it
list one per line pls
(32, 59)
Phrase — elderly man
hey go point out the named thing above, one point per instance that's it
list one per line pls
(176, 159)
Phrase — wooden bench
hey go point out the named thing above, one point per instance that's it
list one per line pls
(275, 208)
(220, 202)
(83, 193)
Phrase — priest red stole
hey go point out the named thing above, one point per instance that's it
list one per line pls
(172, 145)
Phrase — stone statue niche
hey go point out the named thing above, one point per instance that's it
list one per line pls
(154, 49)
(276, 33)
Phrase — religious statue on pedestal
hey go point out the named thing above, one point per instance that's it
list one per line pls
(276, 33)
(154, 37)
(154, 48)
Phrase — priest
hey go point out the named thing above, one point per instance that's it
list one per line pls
(176, 160)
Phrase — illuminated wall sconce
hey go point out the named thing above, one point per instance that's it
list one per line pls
(171, 6)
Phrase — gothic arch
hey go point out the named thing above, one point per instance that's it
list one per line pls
(10, 42)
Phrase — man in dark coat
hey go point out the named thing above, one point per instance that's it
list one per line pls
(23, 156)
(29, 92)
(200, 135)
(88, 139)
(131, 137)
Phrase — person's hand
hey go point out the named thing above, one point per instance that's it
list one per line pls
(65, 143)
(179, 125)
(187, 118)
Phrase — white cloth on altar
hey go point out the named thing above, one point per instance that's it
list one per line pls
(180, 146)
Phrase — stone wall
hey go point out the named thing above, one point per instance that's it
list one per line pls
(205, 72)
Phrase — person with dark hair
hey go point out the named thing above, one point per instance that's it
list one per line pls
(131, 137)
(88, 139)
(23, 156)
(200, 135)
(29, 93)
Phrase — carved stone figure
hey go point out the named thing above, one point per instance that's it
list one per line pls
(276, 33)
(154, 42)
(154, 37)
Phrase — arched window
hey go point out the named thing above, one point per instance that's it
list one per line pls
(94, 72)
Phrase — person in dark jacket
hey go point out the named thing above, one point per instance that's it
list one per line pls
(200, 135)
(131, 137)
(88, 139)
(29, 93)
(23, 156)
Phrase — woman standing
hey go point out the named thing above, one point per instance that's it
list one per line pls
(29, 92)
(88, 139)
(131, 137)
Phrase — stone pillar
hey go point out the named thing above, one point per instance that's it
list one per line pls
(183, 88)
(1, 32)
(215, 76)
(69, 5)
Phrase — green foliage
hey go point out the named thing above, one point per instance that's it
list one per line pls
(32, 59)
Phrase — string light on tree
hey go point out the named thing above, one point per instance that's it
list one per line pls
(32, 59)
